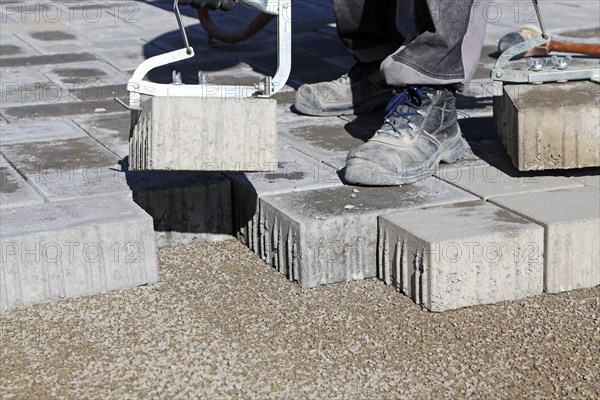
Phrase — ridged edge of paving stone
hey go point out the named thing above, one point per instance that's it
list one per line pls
(82, 256)
(484, 254)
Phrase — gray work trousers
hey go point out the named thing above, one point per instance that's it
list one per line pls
(418, 42)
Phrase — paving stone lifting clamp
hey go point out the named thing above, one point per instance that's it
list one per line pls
(545, 109)
(207, 127)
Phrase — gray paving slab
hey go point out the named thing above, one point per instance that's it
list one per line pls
(328, 139)
(551, 126)
(74, 248)
(294, 171)
(329, 235)
(461, 255)
(571, 221)
(85, 74)
(60, 110)
(12, 47)
(488, 181)
(50, 41)
(112, 130)
(172, 134)
(19, 75)
(128, 59)
(47, 59)
(589, 180)
(14, 190)
(58, 157)
(40, 131)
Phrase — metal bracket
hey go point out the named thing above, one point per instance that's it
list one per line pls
(138, 86)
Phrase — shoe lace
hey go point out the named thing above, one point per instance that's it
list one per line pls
(400, 110)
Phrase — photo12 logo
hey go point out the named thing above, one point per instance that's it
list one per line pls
(71, 11)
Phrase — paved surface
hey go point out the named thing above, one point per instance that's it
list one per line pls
(222, 324)
(65, 139)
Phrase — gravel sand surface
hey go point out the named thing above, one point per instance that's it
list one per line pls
(223, 324)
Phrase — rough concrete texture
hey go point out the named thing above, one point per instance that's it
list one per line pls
(204, 134)
(329, 235)
(221, 324)
(461, 255)
(571, 220)
(185, 206)
(74, 248)
(14, 189)
(488, 181)
(295, 171)
(550, 126)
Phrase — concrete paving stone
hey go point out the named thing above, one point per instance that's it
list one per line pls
(12, 47)
(329, 235)
(571, 221)
(476, 128)
(47, 59)
(18, 94)
(550, 126)
(54, 40)
(41, 131)
(48, 160)
(293, 172)
(19, 75)
(232, 135)
(489, 181)
(589, 180)
(461, 255)
(71, 183)
(84, 75)
(185, 206)
(128, 59)
(60, 110)
(75, 248)
(112, 130)
(327, 139)
(14, 190)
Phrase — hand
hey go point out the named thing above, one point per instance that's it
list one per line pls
(225, 5)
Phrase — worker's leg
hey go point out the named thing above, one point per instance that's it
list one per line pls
(368, 29)
(446, 48)
(421, 128)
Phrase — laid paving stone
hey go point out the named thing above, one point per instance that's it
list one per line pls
(489, 182)
(295, 171)
(329, 235)
(111, 130)
(40, 131)
(74, 248)
(54, 40)
(47, 59)
(59, 157)
(128, 59)
(60, 110)
(589, 180)
(461, 255)
(185, 206)
(20, 75)
(86, 74)
(73, 183)
(12, 47)
(14, 190)
(327, 139)
(571, 221)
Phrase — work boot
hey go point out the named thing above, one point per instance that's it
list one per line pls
(361, 90)
(419, 131)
